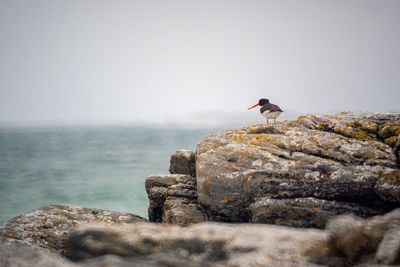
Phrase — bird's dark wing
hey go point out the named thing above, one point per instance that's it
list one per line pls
(270, 108)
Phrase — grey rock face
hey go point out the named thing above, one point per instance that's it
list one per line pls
(344, 163)
(173, 199)
(183, 162)
(203, 244)
(353, 240)
(375, 117)
(388, 186)
(47, 227)
(182, 211)
(304, 212)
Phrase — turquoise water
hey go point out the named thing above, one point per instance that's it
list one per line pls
(100, 167)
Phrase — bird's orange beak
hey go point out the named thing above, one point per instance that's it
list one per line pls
(253, 106)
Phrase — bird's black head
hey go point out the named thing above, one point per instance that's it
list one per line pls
(263, 101)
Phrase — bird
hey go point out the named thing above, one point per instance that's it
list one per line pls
(268, 110)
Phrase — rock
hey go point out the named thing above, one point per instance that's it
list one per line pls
(377, 118)
(14, 254)
(183, 162)
(303, 212)
(173, 199)
(182, 211)
(388, 186)
(202, 244)
(120, 261)
(93, 243)
(353, 240)
(388, 251)
(47, 227)
(26, 256)
(348, 240)
(396, 150)
(345, 162)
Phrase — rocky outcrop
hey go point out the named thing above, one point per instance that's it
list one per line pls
(47, 227)
(203, 244)
(295, 173)
(300, 173)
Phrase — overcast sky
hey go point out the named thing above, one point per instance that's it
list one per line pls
(154, 61)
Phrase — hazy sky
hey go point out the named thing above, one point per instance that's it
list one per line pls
(178, 60)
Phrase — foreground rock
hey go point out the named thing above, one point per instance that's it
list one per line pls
(352, 240)
(203, 244)
(47, 227)
(25, 256)
(301, 173)
(348, 241)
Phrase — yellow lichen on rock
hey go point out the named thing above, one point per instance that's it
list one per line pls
(391, 177)
(391, 141)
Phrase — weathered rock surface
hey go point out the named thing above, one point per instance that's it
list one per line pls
(304, 212)
(25, 256)
(348, 241)
(302, 172)
(47, 227)
(173, 199)
(353, 240)
(110, 260)
(203, 244)
(183, 162)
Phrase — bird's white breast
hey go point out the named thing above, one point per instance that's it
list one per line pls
(271, 115)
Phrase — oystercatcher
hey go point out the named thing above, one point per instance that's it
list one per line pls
(268, 110)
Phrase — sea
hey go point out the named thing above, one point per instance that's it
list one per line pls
(94, 166)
